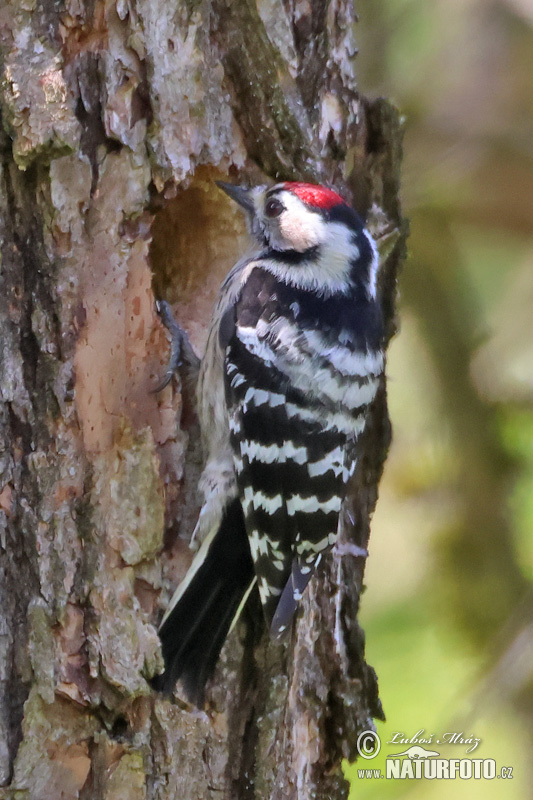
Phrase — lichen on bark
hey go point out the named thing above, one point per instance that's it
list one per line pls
(117, 118)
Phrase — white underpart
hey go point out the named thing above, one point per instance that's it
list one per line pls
(218, 486)
(210, 394)
(218, 480)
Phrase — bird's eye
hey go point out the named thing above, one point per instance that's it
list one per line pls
(273, 208)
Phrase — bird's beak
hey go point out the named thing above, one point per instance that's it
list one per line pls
(241, 195)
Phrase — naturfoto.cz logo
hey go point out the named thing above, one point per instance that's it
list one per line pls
(417, 762)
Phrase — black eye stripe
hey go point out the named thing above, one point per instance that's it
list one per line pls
(273, 207)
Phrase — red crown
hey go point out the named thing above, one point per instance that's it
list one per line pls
(313, 195)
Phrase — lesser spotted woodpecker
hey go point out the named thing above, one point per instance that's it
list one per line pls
(293, 361)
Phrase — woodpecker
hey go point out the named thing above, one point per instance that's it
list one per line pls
(293, 361)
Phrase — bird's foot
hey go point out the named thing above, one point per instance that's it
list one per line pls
(181, 352)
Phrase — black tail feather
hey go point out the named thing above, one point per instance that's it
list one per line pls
(194, 632)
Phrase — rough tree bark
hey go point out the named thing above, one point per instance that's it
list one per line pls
(117, 116)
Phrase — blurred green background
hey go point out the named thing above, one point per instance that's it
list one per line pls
(448, 610)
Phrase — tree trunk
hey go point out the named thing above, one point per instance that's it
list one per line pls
(117, 118)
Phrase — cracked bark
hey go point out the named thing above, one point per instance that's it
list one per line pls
(117, 118)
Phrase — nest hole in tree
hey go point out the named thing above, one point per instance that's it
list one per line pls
(197, 236)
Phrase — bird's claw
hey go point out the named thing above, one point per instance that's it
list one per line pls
(176, 342)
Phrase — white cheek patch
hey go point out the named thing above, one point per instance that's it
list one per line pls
(299, 228)
(328, 271)
(302, 230)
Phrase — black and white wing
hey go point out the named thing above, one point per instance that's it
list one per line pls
(292, 439)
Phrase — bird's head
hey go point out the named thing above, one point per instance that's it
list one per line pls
(302, 224)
